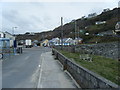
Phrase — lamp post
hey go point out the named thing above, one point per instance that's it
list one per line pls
(13, 29)
(14, 41)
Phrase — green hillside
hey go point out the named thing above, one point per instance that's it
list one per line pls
(87, 24)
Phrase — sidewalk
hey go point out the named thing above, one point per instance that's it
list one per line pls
(52, 75)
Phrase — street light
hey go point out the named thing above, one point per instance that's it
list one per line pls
(13, 29)
(14, 41)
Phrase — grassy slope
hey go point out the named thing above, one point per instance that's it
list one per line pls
(105, 67)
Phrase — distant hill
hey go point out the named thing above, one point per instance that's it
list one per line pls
(88, 24)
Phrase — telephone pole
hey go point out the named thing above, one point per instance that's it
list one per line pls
(61, 32)
(75, 29)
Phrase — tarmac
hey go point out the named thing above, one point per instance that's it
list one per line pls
(52, 75)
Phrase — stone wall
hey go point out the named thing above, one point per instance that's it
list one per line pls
(110, 50)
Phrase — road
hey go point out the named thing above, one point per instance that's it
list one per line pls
(35, 68)
(22, 70)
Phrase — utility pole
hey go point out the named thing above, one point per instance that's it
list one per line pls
(14, 42)
(75, 35)
(78, 32)
(75, 28)
(61, 32)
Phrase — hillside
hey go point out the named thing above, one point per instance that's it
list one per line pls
(111, 17)
(86, 24)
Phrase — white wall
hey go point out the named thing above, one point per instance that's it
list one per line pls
(12, 38)
(1, 34)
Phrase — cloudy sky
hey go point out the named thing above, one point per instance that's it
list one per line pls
(38, 16)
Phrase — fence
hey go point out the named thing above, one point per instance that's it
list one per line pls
(84, 77)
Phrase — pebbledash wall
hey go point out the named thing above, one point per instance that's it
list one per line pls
(84, 77)
(110, 50)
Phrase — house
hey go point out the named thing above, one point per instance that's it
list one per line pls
(92, 15)
(117, 28)
(106, 10)
(55, 41)
(68, 41)
(44, 43)
(11, 37)
(78, 40)
(100, 22)
(2, 35)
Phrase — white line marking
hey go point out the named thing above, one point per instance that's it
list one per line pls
(27, 57)
(40, 77)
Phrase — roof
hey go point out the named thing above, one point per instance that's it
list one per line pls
(78, 39)
(8, 33)
(54, 40)
(2, 39)
(43, 40)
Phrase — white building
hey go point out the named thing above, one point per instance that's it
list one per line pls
(2, 35)
(100, 22)
(54, 41)
(11, 37)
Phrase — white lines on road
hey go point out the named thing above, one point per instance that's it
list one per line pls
(27, 57)
(40, 76)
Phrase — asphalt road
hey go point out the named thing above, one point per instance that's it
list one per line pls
(22, 71)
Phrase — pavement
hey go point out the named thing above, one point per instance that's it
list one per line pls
(0, 74)
(52, 75)
(35, 68)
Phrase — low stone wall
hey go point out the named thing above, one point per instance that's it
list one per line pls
(84, 77)
(110, 50)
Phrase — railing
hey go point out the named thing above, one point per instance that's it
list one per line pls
(84, 77)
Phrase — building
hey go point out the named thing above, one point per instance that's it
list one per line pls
(55, 41)
(11, 37)
(78, 40)
(92, 15)
(117, 28)
(68, 41)
(100, 22)
(45, 43)
(2, 35)
(106, 10)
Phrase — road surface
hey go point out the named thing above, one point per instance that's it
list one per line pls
(35, 68)
(22, 71)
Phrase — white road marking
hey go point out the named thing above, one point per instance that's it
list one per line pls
(40, 77)
(27, 57)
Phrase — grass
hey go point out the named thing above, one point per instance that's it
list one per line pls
(103, 66)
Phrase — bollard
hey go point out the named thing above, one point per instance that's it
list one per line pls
(53, 52)
(56, 56)
(19, 50)
(65, 65)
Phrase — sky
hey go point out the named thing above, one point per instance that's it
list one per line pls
(39, 15)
